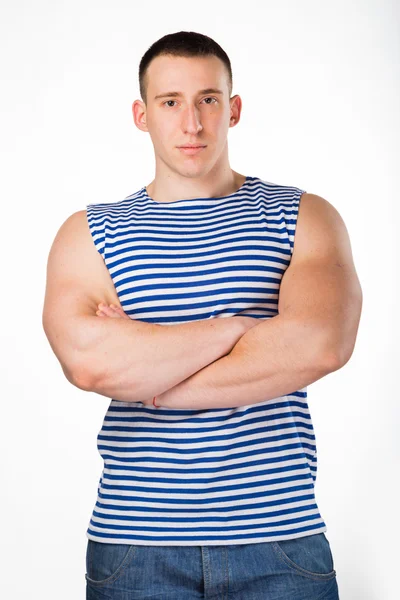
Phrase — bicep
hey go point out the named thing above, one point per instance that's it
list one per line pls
(320, 287)
(77, 280)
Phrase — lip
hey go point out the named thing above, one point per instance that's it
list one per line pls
(191, 149)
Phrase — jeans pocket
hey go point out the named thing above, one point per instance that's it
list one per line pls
(309, 556)
(106, 562)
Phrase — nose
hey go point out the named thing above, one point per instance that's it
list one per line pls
(191, 120)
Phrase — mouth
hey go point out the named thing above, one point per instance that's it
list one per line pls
(191, 149)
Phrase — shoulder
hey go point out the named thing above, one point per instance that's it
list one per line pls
(317, 212)
(73, 233)
(320, 228)
(75, 223)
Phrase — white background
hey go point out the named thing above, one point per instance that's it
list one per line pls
(320, 88)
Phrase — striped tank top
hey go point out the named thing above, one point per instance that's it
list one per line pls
(182, 477)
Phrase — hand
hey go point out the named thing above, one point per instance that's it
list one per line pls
(115, 312)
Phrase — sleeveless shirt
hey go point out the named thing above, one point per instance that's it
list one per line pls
(203, 477)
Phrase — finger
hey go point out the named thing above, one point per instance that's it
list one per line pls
(105, 311)
(110, 312)
(120, 311)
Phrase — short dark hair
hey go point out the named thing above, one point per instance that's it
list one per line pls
(182, 43)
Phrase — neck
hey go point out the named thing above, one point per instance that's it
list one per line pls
(174, 186)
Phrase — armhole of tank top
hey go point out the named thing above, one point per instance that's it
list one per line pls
(291, 224)
(96, 228)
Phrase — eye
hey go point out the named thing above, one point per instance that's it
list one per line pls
(208, 98)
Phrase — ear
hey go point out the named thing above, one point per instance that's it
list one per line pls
(139, 114)
(235, 110)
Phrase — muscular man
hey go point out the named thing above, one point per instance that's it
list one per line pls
(203, 305)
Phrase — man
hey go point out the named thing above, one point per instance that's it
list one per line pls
(209, 455)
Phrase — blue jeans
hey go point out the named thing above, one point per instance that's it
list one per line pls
(296, 569)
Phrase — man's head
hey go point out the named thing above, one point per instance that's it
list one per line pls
(185, 82)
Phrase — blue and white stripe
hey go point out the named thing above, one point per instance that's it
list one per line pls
(216, 476)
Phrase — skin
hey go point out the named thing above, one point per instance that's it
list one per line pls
(115, 312)
(192, 117)
(112, 311)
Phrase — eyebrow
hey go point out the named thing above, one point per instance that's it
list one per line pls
(175, 94)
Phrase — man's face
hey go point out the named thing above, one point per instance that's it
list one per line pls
(194, 116)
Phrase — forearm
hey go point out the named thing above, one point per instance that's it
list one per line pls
(275, 358)
(132, 361)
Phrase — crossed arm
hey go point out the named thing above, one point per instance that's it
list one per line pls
(220, 362)
(314, 334)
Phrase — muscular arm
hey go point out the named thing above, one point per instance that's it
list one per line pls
(314, 333)
(137, 360)
(127, 360)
